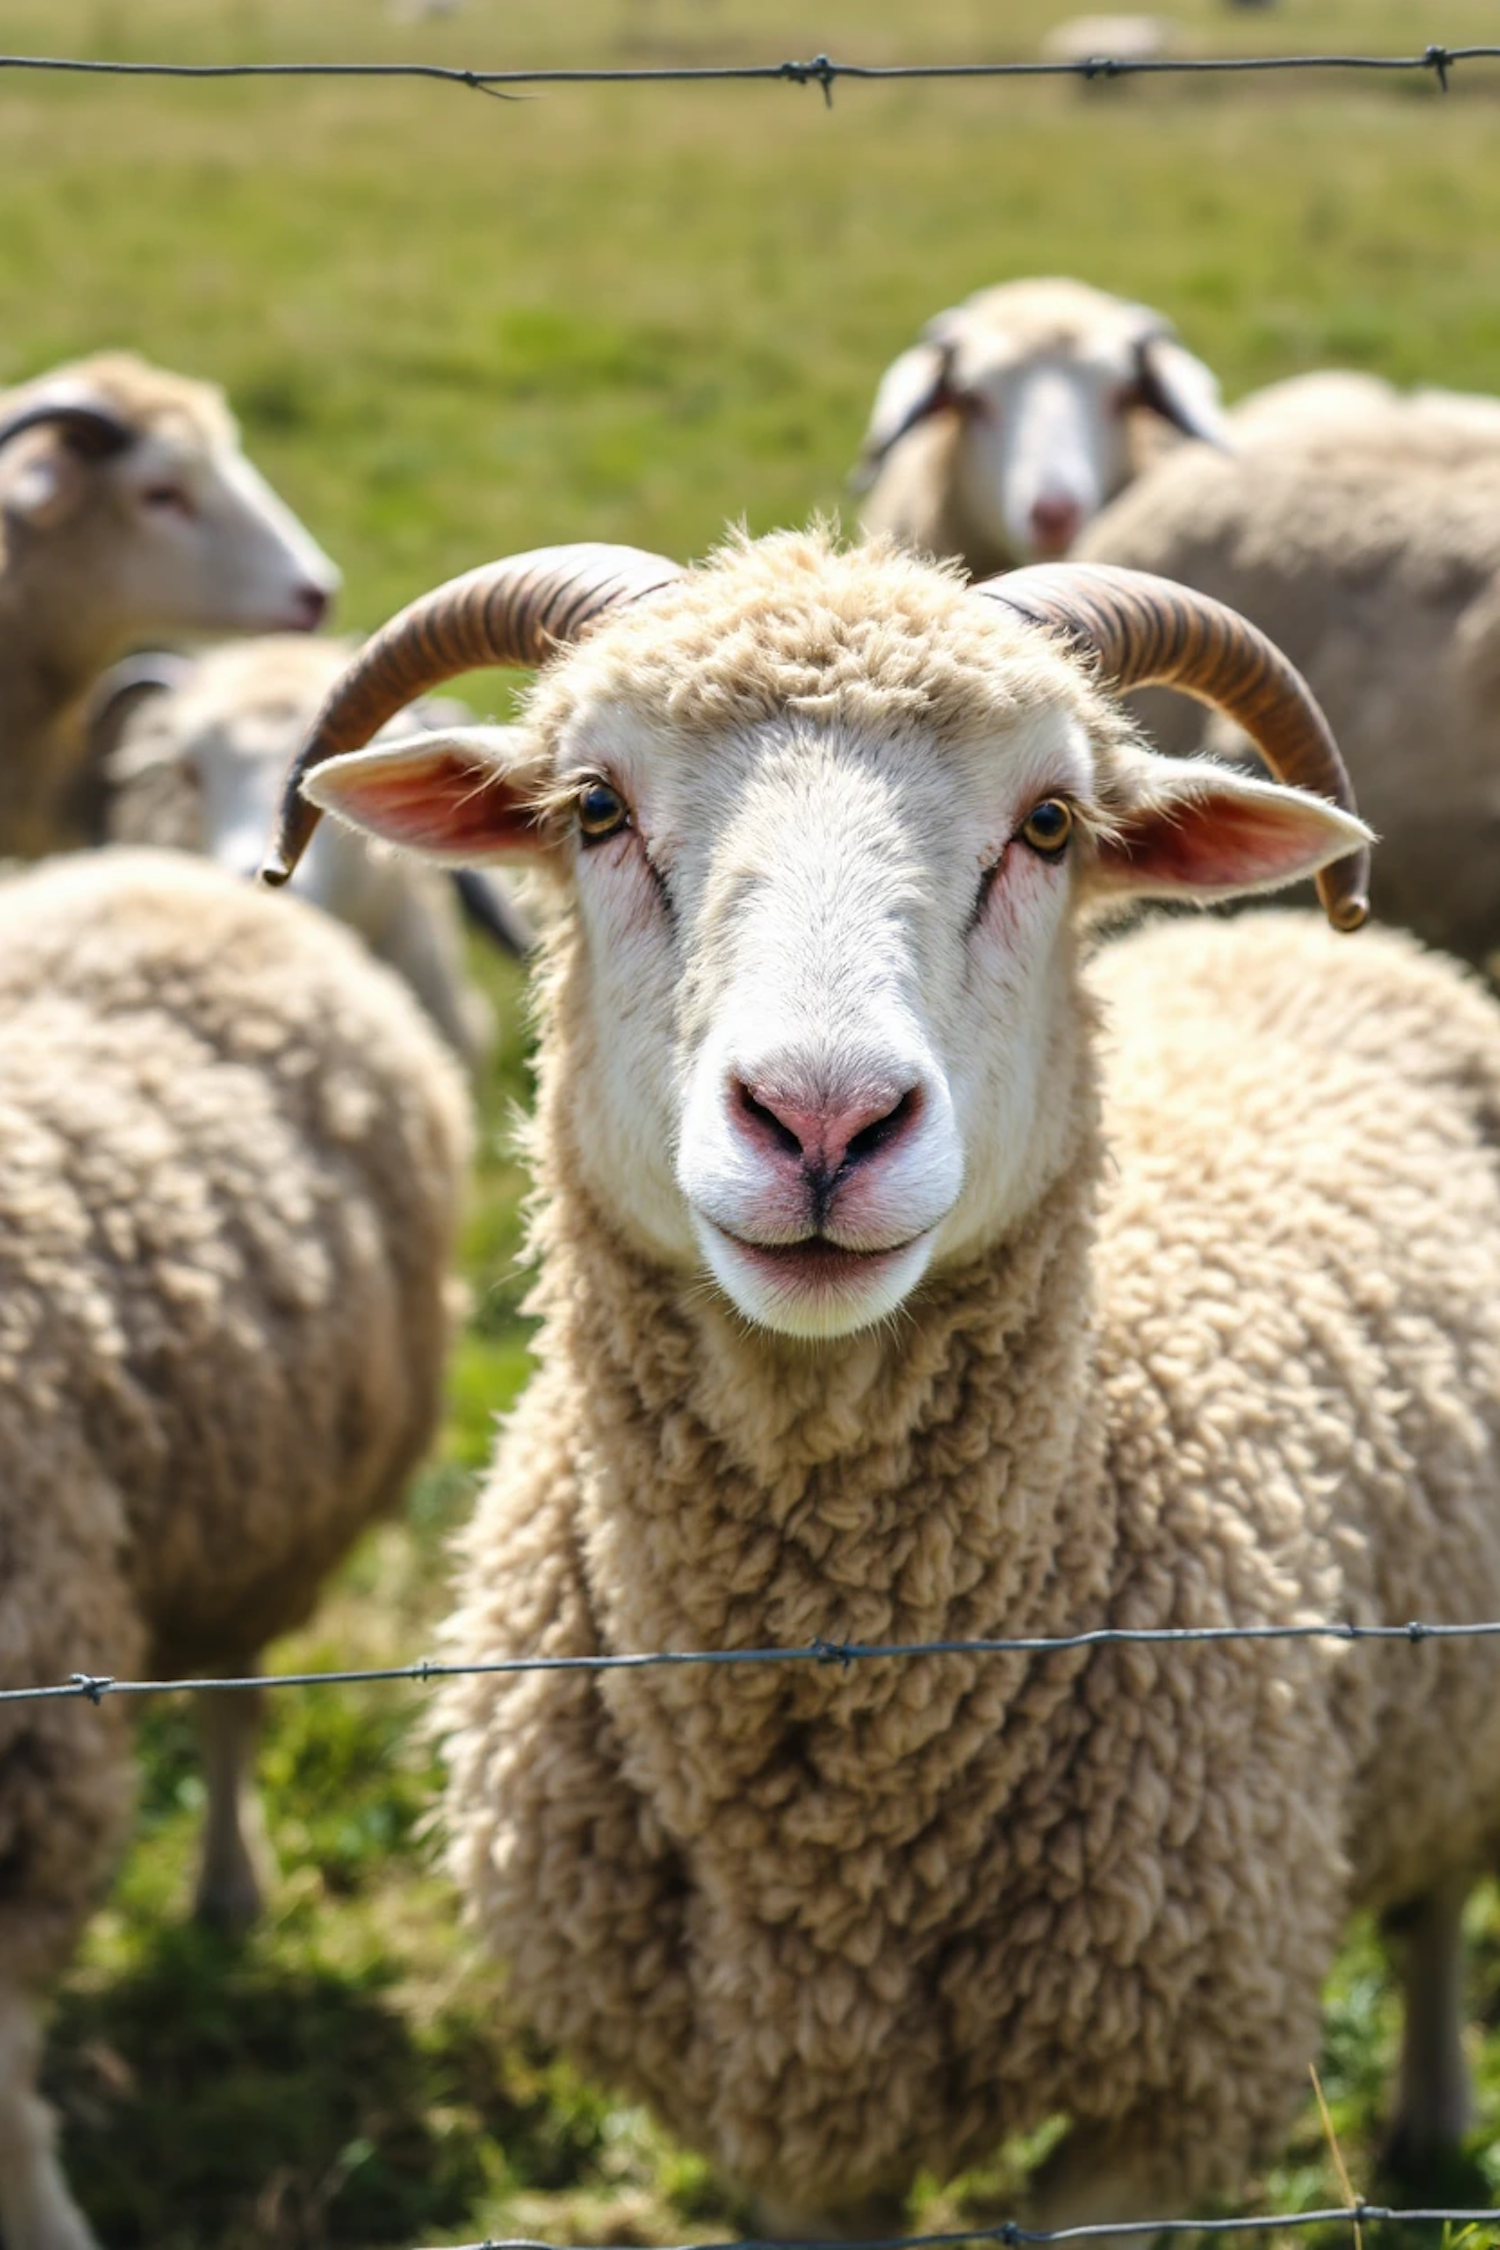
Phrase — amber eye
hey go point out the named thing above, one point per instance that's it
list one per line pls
(1048, 827)
(602, 812)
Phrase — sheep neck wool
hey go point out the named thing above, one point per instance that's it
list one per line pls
(939, 1478)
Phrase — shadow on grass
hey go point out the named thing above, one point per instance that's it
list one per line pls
(212, 2099)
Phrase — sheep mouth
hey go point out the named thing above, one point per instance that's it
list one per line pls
(816, 1261)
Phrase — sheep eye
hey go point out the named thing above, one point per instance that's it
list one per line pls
(168, 496)
(1048, 826)
(602, 812)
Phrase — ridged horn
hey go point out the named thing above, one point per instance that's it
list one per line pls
(518, 611)
(96, 429)
(1148, 632)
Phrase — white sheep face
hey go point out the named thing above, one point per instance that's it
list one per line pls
(1045, 445)
(1042, 379)
(818, 977)
(803, 925)
(176, 534)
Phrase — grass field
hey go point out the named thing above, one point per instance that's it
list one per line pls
(454, 327)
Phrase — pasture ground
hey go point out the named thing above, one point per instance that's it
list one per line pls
(456, 327)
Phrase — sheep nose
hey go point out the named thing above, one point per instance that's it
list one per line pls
(309, 606)
(826, 1135)
(1055, 523)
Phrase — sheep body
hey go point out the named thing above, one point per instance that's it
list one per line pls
(1367, 545)
(840, 1926)
(232, 1155)
(1233, 1358)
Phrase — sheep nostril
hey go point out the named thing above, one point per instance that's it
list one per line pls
(762, 1118)
(881, 1131)
(309, 607)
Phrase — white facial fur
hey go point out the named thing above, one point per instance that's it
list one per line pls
(207, 546)
(1046, 445)
(823, 887)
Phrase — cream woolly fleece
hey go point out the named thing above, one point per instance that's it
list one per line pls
(1241, 1365)
(230, 1159)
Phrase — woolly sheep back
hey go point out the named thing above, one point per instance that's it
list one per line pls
(843, 1925)
(232, 1155)
(1367, 545)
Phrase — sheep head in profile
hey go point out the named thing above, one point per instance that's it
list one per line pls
(999, 435)
(826, 825)
(130, 511)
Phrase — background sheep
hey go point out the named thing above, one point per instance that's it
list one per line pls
(128, 513)
(230, 1158)
(1217, 1342)
(1362, 534)
(193, 751)
(1018, 415)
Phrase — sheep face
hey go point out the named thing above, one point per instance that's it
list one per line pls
(827, 825)
(1041, 379)
(174, 532)
(1045, 443)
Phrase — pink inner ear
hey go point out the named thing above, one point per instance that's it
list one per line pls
(1217, 843)
(441, 802)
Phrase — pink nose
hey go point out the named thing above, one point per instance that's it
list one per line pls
(825, 1136)
(1055, 522)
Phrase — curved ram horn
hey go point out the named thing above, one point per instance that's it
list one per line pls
(518, 611)
(1148, 632)
(94, 428)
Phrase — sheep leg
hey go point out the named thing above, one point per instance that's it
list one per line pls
(237, 1867)
(1433, 2107)
(779, 2220)
(36, 2210)
(1121, 2171)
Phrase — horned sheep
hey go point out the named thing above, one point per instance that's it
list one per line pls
(1019, 414)
(232, 1156)
(128, 514)
(191, 751)
(1361, 531)
(908, 1275)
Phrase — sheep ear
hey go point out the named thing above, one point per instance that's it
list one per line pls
(459, 796)
(44, 485)
(1206, 832)
(1178, 387)
(920, 383)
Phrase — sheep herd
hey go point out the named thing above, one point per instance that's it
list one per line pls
(930, 1245)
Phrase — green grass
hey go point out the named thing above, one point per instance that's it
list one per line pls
(454, 327)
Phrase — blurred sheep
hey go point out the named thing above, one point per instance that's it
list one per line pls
(192, 751)
(231, 1157)
(1019, 415)
(128, 513)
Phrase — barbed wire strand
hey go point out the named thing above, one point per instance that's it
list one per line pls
(1362, 2214)
(820, 71)
(93, 1687)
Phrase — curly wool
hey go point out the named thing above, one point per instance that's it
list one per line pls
(1242, 1365)
(230, 1159)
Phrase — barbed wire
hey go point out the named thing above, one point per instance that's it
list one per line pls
(1009, 2233)
(1437, 60)
(93, 1687)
